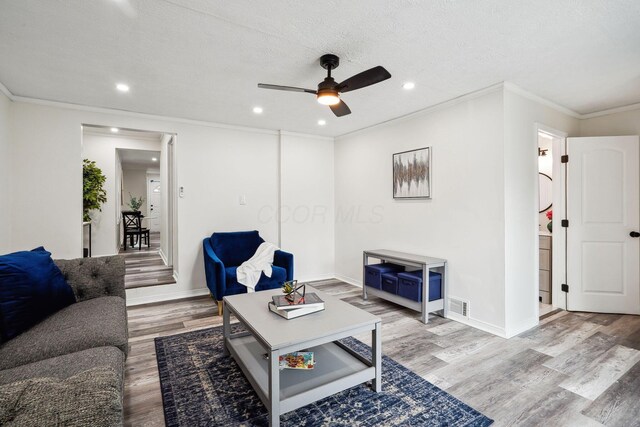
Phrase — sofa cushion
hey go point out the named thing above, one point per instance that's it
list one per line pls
(90, 398)
(94, 277)
(68, 365)
(31, 288)
(278, 277)
(93, 323)
(234, 248)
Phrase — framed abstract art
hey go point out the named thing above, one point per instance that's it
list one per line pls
(412, 174)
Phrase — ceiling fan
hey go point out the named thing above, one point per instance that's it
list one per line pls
(329, 91)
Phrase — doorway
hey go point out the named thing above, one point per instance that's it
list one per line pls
(137, 167)
(548, 143)
(595, 231)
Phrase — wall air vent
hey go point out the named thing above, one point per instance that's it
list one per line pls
(459, 307)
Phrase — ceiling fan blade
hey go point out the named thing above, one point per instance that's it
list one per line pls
(286, 88)
(340, 109)
(364, 79)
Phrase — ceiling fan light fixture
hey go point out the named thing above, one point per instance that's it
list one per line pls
(328, 98)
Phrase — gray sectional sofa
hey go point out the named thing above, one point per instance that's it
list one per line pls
(69, 368)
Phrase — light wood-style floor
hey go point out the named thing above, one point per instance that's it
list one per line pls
(145, 267)
(575, 369)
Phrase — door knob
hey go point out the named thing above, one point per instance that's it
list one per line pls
(634, 234)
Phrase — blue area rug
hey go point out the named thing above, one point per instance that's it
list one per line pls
(202, 387)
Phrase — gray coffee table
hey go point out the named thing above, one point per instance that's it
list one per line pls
(337, 367)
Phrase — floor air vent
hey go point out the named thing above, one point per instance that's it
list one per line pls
(458, 306)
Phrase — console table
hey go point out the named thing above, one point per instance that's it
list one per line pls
(424, 263)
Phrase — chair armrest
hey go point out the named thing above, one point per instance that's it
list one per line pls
(214, 271)
(285, 260)
(94, 277)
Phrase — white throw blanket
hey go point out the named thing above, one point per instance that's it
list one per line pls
(249, 271)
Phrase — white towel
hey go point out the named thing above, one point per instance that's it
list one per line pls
(249, 271)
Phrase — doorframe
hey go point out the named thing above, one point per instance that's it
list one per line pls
(558, 240)
(172, 196)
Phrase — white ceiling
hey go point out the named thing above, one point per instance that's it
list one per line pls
(201, 60)
(138, 159)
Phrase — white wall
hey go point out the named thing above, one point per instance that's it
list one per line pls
(307, 208)
(102, 149)
(463, 222)
(134, 181)
(5, 176)
(521, 204)
(119, 178)
(617, 124)
(215, 165)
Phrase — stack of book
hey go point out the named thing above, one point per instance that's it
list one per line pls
(309, 303)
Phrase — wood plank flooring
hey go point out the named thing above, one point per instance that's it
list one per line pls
(574, 369)
(145, 267)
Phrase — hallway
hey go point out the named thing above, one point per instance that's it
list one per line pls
(145, 267)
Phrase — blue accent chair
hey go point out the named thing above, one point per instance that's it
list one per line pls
(223, 254)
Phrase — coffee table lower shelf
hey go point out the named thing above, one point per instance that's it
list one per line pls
(337, 368)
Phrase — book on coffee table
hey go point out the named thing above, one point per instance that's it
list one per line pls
(292, 314)
(297, 360)
(310, 299)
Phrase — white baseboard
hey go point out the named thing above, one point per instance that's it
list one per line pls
(102, 255)
(164, 258)
(522, 327)
(316, 278)
(478, 324)
(167, 296)
(349, 280)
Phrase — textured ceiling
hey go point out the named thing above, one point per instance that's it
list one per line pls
(202, 59)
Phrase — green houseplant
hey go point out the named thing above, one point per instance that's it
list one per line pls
(135, 202)
(93, 192)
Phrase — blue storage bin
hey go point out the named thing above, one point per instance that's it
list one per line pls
(373, 273)
(390, 282)
(410, 285)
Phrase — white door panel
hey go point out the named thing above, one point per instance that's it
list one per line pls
(603, 260)
(154, 208)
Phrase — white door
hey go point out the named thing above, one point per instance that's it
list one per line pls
(154, 206)
(603, 257)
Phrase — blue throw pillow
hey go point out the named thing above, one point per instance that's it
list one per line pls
(32, 287)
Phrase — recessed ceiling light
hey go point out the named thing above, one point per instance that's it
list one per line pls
(322, 122)
(122, 87)
(114, 130)
(257, 110)
(154, 159)
(408, 85)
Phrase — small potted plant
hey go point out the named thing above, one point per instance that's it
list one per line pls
(550, 218)
(135, 202)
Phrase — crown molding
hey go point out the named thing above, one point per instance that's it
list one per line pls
(540, 100)
(6, 92)
(630, 107)
(306, 135)
(471, 95)
(127, 113)
(428, 110)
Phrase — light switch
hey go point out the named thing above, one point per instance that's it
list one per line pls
(243, 200)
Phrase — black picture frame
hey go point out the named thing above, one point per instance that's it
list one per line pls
(411, 177)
